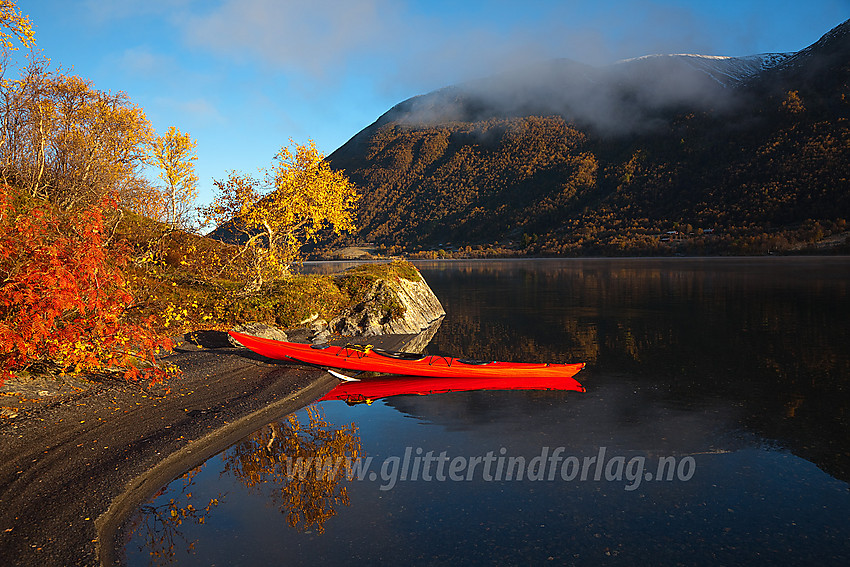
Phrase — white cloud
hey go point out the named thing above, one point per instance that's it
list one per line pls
(106, 11)
(431, 43)
(142, 61)
(395, 41)
(312, 37)
(193, 112)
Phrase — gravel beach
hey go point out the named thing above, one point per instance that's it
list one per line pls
(76, 459)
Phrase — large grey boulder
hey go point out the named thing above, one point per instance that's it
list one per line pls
(392, 307)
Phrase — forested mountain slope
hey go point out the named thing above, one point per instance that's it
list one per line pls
(743, 154)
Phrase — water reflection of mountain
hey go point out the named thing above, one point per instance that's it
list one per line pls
(617, 414)
(767, 337)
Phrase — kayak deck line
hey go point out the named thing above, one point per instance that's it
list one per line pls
(362, 351)
(407, 356)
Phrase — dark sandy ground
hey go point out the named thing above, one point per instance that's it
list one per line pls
(76, 458)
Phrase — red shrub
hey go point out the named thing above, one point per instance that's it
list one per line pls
(62, 293)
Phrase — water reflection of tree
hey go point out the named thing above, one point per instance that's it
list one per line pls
(159, 525)
(300, 466)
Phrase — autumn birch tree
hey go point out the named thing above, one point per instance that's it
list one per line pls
(175, 155)
(68, 143)
(306, 197)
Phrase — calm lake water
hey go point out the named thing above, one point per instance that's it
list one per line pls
(715, 430)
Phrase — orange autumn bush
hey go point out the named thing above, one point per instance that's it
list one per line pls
(63, 295)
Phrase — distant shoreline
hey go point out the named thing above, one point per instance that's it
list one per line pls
(579, 258)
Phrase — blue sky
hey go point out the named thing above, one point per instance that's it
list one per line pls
(245, 76)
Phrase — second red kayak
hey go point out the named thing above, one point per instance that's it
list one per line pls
(368, 359)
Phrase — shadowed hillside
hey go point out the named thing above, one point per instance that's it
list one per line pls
(655, 155)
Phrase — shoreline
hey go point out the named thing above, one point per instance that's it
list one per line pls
(74, 467)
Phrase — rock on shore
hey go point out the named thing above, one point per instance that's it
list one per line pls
(392, 307)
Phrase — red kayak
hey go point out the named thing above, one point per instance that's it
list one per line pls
(372, 389)
(368, 359)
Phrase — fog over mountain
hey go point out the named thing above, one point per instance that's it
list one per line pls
(625, 97)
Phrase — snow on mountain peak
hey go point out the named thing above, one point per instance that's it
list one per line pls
(727, 71)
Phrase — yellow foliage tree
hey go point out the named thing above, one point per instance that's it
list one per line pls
(306, 197)
(793, 103)
(14, 26)
(175, 155)
(68, 143)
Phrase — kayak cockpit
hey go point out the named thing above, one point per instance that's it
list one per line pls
(410, 356)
